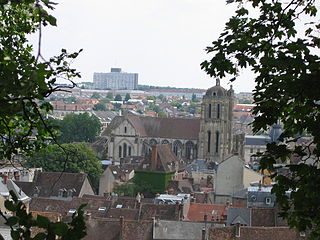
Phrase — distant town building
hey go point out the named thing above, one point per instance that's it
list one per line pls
(171, 92)
(207, 138)
(115, 80)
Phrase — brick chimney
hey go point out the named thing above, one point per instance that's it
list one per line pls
(154, 157)
(5, 178)
(121, 228)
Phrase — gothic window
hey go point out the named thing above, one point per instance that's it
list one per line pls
(189, 149)
(218, 111)
(120, 151)
(125, 129)
(124, 150)
(129, 151)
(209, 111)
(177, 147)
(153, 142)
(209, 141)
(165, 141)
(217, 142)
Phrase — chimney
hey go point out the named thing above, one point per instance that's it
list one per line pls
(5, 179)
(121, 228)
(203, 234)
(237, 229)
(154, 157)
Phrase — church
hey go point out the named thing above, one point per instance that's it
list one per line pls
(209, 137)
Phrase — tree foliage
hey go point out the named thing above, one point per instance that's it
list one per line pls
(127, 97)
(279, 41)
(118, 97)
(100, 107)
(78, 128)
(26, 80)
(73, 158)
(22, 223)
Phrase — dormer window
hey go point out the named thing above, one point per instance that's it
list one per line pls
(268, 201)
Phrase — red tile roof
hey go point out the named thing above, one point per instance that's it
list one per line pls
(214, 212)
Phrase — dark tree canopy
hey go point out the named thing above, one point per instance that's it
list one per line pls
(26, 79)
(118, 97)
(73, 158)
(127, 97)
(279, 41)
(100, 107)
(78, 128)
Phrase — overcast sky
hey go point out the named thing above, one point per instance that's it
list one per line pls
(162, 40)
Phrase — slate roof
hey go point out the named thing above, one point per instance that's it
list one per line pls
(49, 183)
(62, 206)
(178, 230)
(214, 212)
(257, 140)
(256, 233)
(241, 215)
(175, 128)
(160, 211)
(113, 229)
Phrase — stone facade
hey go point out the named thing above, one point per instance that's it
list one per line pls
(207, 138)
(215, 137)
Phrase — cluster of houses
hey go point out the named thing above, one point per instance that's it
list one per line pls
(199, 201)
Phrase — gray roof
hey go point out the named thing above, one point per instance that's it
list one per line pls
(241, 215)
(258, 140)
(275, 132)
(200, 165)
(243, 193)
(178, 230)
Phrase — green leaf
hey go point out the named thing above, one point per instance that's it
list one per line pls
(12, 221)
(59, 228)
(40, 236)
(10, 205)
(42, 222)
(52, 20)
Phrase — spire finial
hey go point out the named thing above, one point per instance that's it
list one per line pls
(217, 82)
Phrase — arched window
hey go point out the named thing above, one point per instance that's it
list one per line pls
(165, 141)
(153, 142)
(120, 151)
(125, 129)
(177, 147)
(218, 111)
(189, 150)
(209, 111)
(129, 151)
(124, 150)
(209, 141)
(217, 142)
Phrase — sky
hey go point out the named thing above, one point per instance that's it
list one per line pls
(161, 40)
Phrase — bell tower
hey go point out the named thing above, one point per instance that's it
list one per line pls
(215, 137)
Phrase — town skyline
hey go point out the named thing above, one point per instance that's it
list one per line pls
(163, 41)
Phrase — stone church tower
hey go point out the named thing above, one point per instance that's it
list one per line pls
(215, 136)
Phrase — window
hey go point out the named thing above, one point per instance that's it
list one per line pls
(129, 151)
(125, 129)
(120, 151)
(251, 150)
(268, 200)
(218, 111)
(209, 141)
(124, 150)
(209, 111)
(217, 142)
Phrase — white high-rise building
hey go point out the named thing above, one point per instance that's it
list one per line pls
(115, 80)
